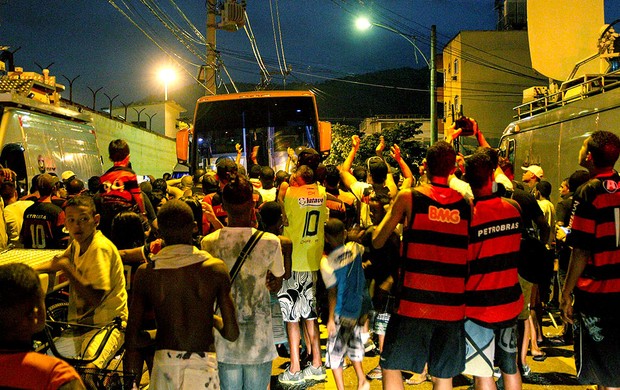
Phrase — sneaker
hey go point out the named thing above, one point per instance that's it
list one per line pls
(526, 371)
(369, 346)
(375, 373)
(314, 373)
(289, 378)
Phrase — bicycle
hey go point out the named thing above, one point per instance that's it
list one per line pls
(108, 377)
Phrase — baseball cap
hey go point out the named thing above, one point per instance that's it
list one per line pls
(67, 175)
(46, 181)
(376, 165)
(224, 167)
(309, 157)
(535, 169)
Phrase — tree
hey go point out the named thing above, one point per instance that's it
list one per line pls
(412, 150)
(341, 143)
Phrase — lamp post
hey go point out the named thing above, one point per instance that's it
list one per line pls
(166, 75)
(364, 24)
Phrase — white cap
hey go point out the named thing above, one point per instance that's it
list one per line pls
(535, 169)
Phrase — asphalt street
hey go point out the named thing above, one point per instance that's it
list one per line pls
(556, 372)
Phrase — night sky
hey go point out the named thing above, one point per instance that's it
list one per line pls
(92, 39)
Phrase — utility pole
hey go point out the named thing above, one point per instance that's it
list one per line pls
(433, 86)
(211, 56)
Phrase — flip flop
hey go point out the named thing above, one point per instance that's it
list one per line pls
(540, 358)
(416, 379)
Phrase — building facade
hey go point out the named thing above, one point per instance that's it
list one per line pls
(160, 117)
(485, 74)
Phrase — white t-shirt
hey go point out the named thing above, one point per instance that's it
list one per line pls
(255, 343)
(358, 188)
(102, 267)
(14, 217)
(268, 195)
(548, 210)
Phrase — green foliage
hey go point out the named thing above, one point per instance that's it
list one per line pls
(412, 150)
(341, 143)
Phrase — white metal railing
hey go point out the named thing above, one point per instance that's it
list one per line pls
(572, 90)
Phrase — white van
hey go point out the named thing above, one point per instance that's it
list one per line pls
(42, 138)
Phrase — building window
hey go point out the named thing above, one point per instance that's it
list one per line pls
(457, 107)
(456, 66)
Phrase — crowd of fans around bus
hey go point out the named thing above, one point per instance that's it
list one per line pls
(167, 255)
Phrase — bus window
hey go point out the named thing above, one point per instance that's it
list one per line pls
(272, 121)
(507, 149)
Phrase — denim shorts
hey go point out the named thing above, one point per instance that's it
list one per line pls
(484, 346)
(410, 343)
(244, 376)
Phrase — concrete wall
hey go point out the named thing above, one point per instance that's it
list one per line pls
(159, 117)
(151, 153)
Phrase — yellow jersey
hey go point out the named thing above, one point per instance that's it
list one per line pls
(306, 211)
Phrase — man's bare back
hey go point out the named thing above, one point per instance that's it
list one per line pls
(181, 286)
(183, 300)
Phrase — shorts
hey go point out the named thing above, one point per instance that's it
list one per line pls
(384, 305)
(597, 342)
(279, 329)
(244, 376)
(184, 370)
(486, 347)
(410, 343)
(381, 323)
(347, 341)
(77, 343)
(526, 288)
(298, 297)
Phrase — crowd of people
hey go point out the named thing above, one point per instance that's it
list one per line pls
(449, 268)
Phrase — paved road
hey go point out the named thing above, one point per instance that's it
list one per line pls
(556, 372)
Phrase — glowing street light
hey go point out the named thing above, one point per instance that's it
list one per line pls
(167, 75)
(365, 24)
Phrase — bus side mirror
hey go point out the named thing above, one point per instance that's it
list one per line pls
(182, 145)
(325, 138)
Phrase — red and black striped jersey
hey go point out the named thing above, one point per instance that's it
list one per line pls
(493, 295)
(433, 265)
(595, 227)
(120, 185)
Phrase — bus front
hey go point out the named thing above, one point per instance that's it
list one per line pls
(267, 122)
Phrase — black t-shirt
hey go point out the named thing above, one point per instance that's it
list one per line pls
(530, 210)
(42, 228)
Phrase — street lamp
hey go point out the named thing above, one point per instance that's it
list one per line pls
(365, 24)
(167, 75)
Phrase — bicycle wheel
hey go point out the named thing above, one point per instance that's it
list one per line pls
(57, 312)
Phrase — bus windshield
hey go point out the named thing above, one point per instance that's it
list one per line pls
(273, 123)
